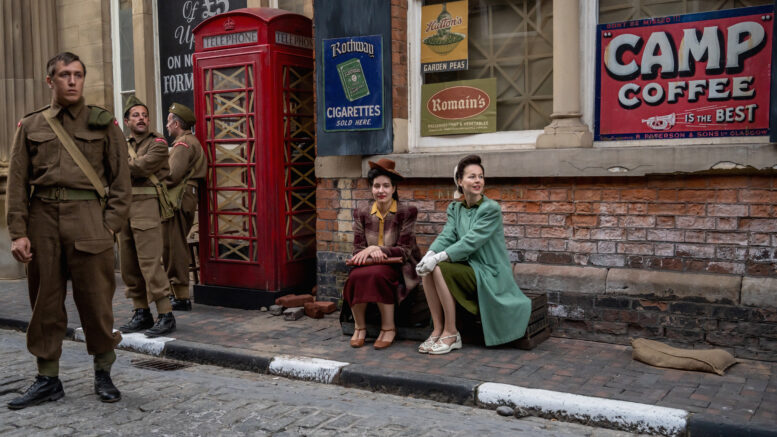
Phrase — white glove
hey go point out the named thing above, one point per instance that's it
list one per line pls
(421, 267)
(425, 267)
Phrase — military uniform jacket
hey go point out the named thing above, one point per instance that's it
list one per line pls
(151, 150)
(184, 154)
(39, 159)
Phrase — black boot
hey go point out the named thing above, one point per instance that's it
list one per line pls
(45, 388)
(165, 324)
(104, 388)
(181, 304)
(141, 319)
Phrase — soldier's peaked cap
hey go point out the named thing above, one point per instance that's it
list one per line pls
(132, 102)
(186, 114)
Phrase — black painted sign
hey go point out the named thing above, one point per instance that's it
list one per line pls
(177, 20)
(353, 20)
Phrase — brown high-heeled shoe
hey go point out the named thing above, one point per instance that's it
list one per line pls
(381, 344)
(359, 342)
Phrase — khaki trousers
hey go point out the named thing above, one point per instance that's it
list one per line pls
(69, 240)
(140, 253)
(176, 256)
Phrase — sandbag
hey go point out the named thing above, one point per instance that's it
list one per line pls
(662, 355)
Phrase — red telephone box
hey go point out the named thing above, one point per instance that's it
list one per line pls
(253, 90)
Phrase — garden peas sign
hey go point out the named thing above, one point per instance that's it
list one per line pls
(688, 76)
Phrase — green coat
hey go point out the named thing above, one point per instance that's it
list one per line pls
(476, 235)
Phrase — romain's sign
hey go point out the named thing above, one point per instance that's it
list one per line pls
(687, 76)
(461, 107)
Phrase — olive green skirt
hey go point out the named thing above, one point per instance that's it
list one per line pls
(460, 279)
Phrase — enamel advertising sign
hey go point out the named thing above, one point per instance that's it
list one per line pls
(444, 45)
(687, 76)
(460, 107)
(353, 83)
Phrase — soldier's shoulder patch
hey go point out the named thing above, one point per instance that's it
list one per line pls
(181, 143)
(116, 122)
(160, 140)
(100, 118)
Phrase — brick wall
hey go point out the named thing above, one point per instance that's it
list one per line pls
(694, 224)
(712, 224)
(399, 57)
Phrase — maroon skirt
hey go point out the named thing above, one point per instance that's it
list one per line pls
(376, 283)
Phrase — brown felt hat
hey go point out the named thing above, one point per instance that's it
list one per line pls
(386, 165)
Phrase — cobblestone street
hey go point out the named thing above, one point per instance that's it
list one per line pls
(207, 401)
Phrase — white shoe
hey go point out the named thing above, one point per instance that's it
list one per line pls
(441, 347)
(426, 346)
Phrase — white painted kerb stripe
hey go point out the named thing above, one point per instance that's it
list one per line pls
(621, 414)
(310, 369)
(136, 341)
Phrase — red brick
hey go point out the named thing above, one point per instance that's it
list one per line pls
(326, 214)
(763, 211)
(327, 194)
(728, 181)
(665, 222)
(695, 236)
(529, 219)
(758, 225)
(514, 231)
(667, 195)
(638, 221)
(726, 267)
(533, 244)
(555, 245)
(581, 234)
(610, 195)
(725, 210)
(727, 238)
(581, 246)
(665, 235)
(759, 239)
(326, 307)
(559, 194)
(635, 248)
(638, 195)
(362, 194)
(583, 208)
(638, 208)
(558, 207)
(694, 195)
(758, 196)
(664, 249)
(728, 224)
(608, 221)
(536, 195)
(313, 311)
(635, 234)
(606, 247)
(533, 231)
(607, 234)
(294, 300)
(684, 222)
(583, 220)
(726, 196)
(610, 208)
(557, 232)
(695, 251)
(325, 183)
(587, 194)
(667, 208)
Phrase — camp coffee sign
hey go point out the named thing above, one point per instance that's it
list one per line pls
(444, 44)
(687, 76)
(460, 107)
(353, 83)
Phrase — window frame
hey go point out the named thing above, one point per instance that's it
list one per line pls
(506, 140)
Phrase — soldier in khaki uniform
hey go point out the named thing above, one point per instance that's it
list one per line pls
(62, 228)
(140, 240)
(187, 167)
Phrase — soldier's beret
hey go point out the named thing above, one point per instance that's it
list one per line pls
(184, 112)
(133, 101)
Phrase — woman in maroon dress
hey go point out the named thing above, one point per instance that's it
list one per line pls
(384, 229)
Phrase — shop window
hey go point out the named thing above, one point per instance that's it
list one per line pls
(512, 41)
(623, 10)
(302, 7)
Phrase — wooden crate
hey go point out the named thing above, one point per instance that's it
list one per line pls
(538, 330)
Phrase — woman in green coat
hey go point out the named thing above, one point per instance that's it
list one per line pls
(468, 264)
